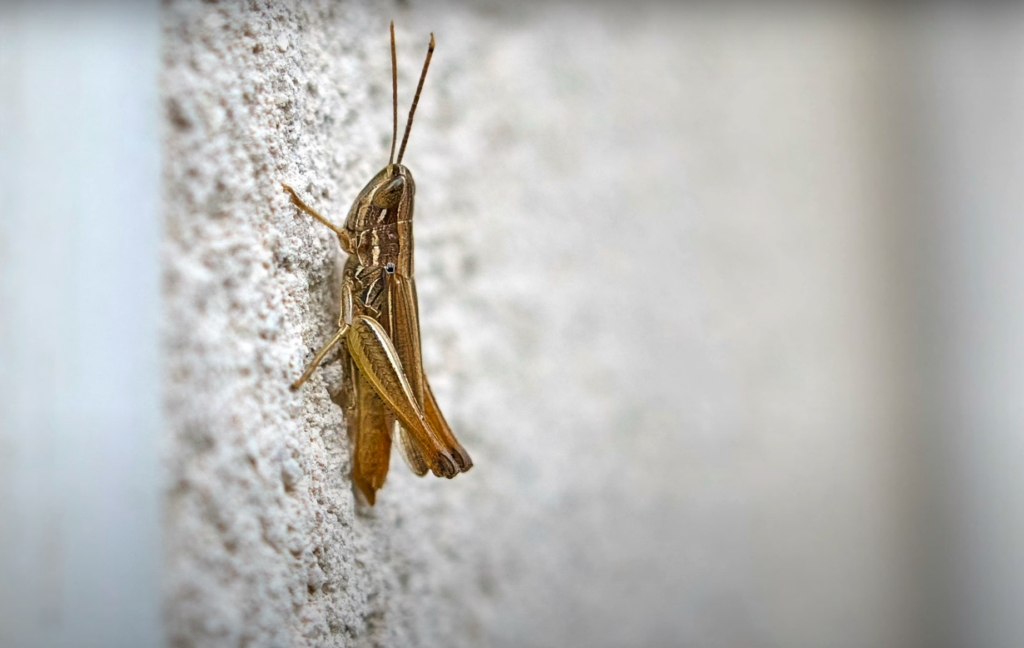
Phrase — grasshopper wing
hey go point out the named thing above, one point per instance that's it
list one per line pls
(368, 425)
(404, 322)
(436, 420)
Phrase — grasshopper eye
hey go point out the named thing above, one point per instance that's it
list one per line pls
(388, 196)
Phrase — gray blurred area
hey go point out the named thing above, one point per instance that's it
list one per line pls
(724, 302)
(80, 311)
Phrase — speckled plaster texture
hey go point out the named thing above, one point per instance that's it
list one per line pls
(651, 310)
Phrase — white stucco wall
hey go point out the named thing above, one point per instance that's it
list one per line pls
(655, 309)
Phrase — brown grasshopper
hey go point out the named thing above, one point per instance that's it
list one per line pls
(386, 395)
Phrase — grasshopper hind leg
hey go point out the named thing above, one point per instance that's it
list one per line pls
(408, 449)
(375, 356)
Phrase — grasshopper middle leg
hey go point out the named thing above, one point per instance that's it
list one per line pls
(344, 321)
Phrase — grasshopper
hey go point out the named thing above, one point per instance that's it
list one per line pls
(386, 396)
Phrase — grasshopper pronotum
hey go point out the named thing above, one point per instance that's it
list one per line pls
(386, 394)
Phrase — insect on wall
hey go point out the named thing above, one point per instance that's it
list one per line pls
(385, 394)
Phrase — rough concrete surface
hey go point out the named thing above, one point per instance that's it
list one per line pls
(651, 305)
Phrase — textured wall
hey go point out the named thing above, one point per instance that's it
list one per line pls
(653, 307)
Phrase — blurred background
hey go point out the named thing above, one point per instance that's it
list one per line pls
(725, 303)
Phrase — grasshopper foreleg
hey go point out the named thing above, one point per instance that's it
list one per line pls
(312, 212)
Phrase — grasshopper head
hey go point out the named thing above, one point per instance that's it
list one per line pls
(386, 199)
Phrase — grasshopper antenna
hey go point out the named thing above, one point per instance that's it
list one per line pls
(394, 94)
(416, 99)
